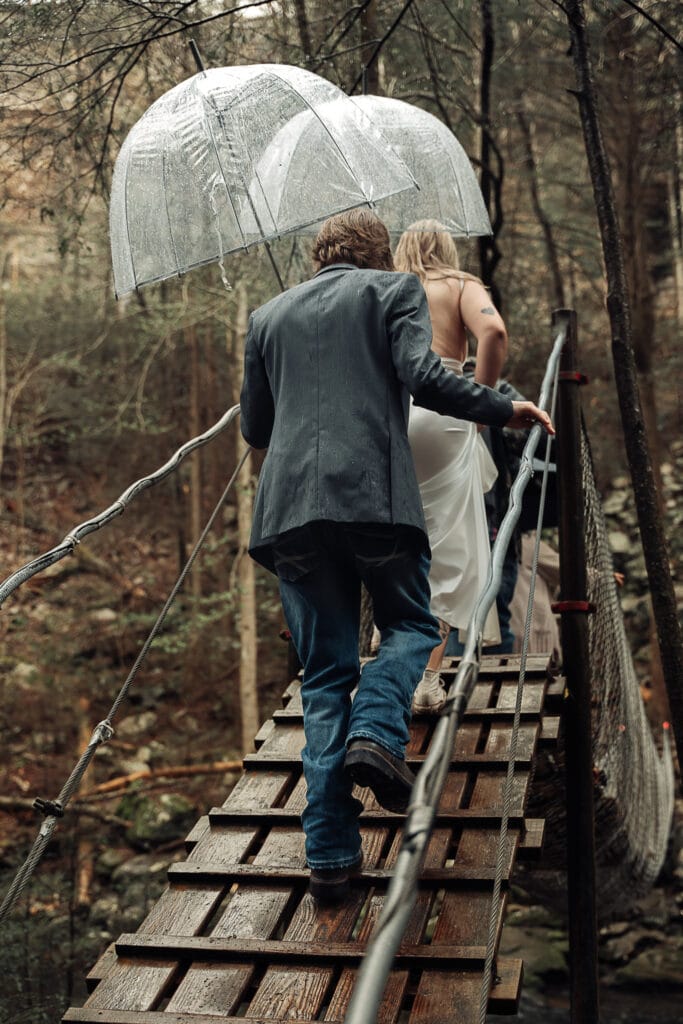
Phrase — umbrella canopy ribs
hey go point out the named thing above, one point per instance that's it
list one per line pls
(214, 166)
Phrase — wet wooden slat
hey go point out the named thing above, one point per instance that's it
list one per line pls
(452, 996)
(286, 816)
(292, 762)
(290, 950)
(250, 913)
(133, 984)
(90, 1016)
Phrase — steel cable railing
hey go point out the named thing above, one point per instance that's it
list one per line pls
(402, 890)
(75, 536)
(514, 737)
(54, 809)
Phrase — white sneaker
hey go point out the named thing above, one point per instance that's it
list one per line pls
(430, 695)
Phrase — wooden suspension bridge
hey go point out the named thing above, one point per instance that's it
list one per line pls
(236, 936)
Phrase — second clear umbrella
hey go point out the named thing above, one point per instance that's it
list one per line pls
(448, 188)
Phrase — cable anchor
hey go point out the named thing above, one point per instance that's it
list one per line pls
(50, 808)
(101, 733)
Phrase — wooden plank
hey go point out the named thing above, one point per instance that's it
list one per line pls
(88, 1015)
(286, 816)
(507, 986)
(532, 839)
(292, 762)
(133, 984)
(451, 996)
(263, 790)
(467, 741)
(532, 695)
(397, 983)
(464, 914)
(183, 909)
(499, 742)
(433, 878)
(263, 733)
(188, 947)
(505, 665)
(219, 987)
(214, 988)
(288, 990)
(550, 730)
(294, 716)
(482, 694)
(101, 967)
(489, 788)
(251, 790)
(455, 995)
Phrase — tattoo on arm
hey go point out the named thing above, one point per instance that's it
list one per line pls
(489, 310)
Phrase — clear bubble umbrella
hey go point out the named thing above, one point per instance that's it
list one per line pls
(448, 188)
(207, 170)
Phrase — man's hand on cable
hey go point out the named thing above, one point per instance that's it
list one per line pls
(526, 414)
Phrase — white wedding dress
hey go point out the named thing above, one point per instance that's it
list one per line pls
(454, 470)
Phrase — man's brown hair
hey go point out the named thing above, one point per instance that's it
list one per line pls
(356, 236)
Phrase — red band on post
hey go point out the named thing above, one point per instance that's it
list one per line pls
(578, 378)
(572, 606)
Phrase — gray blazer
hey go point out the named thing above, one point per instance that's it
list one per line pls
(328, 368)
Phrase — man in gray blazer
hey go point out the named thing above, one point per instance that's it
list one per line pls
(329, 366)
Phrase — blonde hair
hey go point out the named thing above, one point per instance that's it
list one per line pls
(357, 236)
(427, 246)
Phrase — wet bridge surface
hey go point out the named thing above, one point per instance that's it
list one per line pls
(235, 936)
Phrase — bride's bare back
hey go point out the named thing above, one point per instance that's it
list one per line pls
(458, 305)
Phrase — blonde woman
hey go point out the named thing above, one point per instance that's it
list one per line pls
(453, 465)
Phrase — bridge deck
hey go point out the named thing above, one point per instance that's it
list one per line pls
(235, 935)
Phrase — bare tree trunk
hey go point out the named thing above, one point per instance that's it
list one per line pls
(304, 30)
(630, 199)
(675, 183)
(195, 460)
(635, 438)
(368, 36)
(491, 184)
(3, 375)
(245, 570)
(8, 279)
(85, 850)
(558, 297)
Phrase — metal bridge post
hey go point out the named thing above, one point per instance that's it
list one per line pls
(574, 608)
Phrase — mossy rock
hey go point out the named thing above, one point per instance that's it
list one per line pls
(156, 819)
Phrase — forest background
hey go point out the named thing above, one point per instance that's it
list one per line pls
(96, 392)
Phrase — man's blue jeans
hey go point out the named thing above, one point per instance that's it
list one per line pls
(320, 570)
